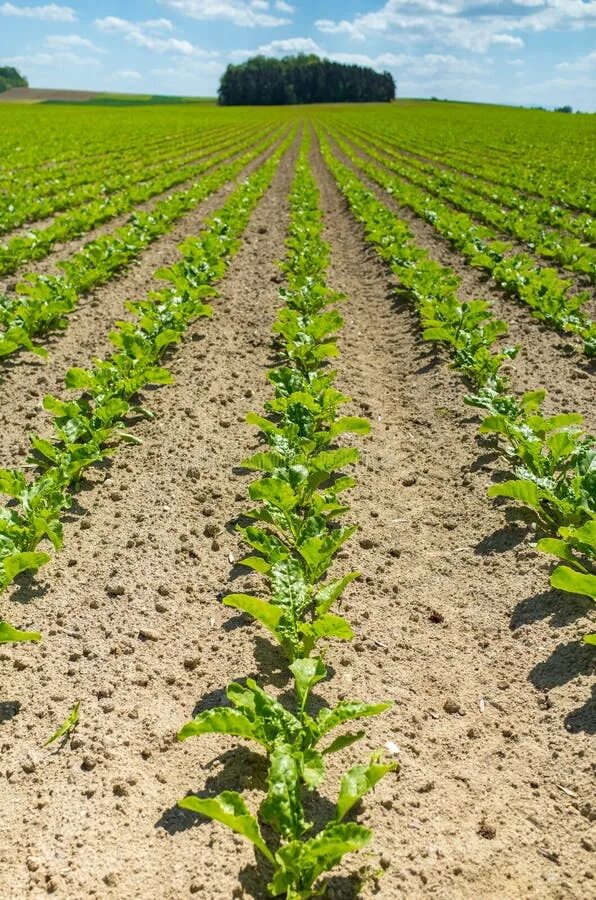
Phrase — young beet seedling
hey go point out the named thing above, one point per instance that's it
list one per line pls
(296, 763)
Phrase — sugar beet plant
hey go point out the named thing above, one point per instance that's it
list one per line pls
(553, 460)
(88, 428)
(293, 536)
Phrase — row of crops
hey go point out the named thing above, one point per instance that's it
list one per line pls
(293, 531)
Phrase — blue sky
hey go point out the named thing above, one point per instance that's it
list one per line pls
(509, 51)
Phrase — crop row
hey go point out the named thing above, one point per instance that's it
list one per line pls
(73, 136)
(550, 298)
(531, 156)
(565, 251)
(42, 302)
(552, 459)
(99, 178)
(293, 537)
(89, 427)
(38, 243)
(531, 211)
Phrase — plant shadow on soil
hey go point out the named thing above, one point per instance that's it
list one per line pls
(584, 717)
(8, 710)
(232, 768)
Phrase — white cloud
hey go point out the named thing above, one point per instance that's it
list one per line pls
(136, 33)
(158, 25)
(583, 64)
(62, 41)
(129, 75)
(464, 23)
(238, 12)
(45, 60)
(507, 40)
(289, 46)
(49, 13)
(284, 7)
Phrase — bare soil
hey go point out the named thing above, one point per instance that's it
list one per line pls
(493, 713)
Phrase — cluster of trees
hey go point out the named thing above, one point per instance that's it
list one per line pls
(262, 81)
(10, 78)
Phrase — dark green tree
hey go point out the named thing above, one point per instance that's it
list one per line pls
(10, 78)
(265, 81)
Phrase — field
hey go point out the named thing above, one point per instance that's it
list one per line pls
(297, 416)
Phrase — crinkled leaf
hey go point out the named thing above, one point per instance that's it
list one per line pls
(223, 720)
(230, 809)
(282, 807)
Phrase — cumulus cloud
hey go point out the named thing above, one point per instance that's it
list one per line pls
(45, 60)
(64, 41)
(237, 12)
(474, 25)
(128, 75)
(51, 12)
(140, 34)
(583, 64)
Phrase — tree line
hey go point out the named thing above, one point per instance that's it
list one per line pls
(263, 81)
(10, 78)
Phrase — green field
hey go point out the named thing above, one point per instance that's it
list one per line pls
(298, 410)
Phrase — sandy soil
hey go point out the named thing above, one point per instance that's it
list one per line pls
(493, 713)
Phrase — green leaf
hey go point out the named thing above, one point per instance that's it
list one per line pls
(327, 596)
(223, 720)
(21, 562)
(330, 625)
(9, 635)
(586, 533)
(45, 448)
(313, 768)
(67, 727)
(301, 862)
(526, 491)
(352, 424)
(346, 711)
(79, 379)
(274, 491)
(556, 547)
(566, 579)
(307, 672)
(282, 807)
(267, 614)
(257, 563)
(358, 782)
(343, 741)
(12, 482)
(590, 639)
(230, 809)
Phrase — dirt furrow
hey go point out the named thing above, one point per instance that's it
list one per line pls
(26, 379)
(133, 628)
(456, 624)
(546, 359)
